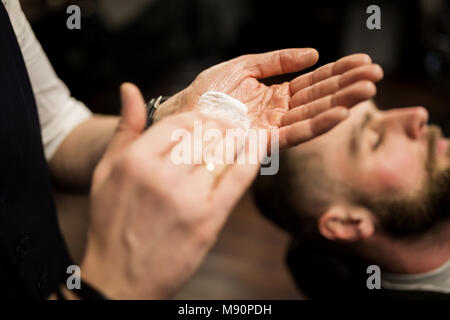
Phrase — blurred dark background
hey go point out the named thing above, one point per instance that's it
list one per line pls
(161, 45)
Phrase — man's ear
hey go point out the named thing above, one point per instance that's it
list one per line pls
(346, 223)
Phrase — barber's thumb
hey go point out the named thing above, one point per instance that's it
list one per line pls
(132, 121)
(133, 109)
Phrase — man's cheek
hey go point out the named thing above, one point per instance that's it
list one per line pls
(400, 173)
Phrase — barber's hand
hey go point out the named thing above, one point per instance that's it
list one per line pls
(152, 221)
(303, 108)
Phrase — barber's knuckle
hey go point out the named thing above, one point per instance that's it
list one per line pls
(196, 210)
(186, 221)
(197, 116)
(205, 235)
(130, 164)
(304, 112)
(199, 212)
(244, 57)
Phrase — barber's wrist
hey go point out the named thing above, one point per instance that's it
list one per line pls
(169, 107)
(160, 113)
(155, 109)
(106, 277)
(96, 275)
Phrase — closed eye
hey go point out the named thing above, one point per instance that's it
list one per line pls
(380, 139)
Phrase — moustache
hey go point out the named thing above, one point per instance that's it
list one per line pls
(434, 133)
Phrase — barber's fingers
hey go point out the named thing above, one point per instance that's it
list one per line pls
(164, 154)
(303, 131)
(131, 124)
(181, 141)
(278, 62)
(222, 153)
(159, 140)
(331, 69)
(222, 185)
(371, 72)
(235, 180)
(346, 97)
(200, 148)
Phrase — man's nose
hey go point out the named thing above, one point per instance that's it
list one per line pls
(416, 120)
(413, 121)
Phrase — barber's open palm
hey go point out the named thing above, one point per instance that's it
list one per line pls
(303, 108)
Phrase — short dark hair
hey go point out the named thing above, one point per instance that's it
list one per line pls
(295, 196)
(302, 190)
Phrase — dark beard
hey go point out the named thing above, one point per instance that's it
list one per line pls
(413, 217)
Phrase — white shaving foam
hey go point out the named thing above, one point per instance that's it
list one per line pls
(221, 106)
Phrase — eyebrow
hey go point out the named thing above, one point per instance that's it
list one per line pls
(355, 139)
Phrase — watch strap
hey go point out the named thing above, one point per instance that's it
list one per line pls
(151, 107)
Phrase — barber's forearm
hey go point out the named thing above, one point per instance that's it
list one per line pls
(73, 163)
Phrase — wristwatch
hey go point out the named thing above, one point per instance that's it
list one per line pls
(151, 107)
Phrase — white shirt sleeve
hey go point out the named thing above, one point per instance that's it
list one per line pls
(58, 112)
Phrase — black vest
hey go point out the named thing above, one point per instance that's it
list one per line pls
(33, 256)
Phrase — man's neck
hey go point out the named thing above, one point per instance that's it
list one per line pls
(409, 257)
